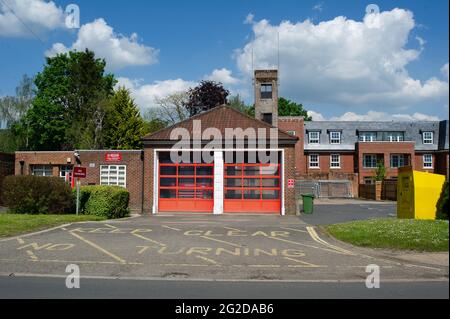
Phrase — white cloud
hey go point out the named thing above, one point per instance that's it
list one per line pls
(318, 7)
(444, 71)
(118, 50)
(145, 94)
(249, 18)
(344, 62)
(374, 116)
(18, 17)
(223, 76)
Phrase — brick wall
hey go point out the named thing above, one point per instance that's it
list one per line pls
(92, 161)
(6, 168)
(148, 180)
(347, 163)
(384, 149)
(441, 164)
(289, 173)
(297, 125)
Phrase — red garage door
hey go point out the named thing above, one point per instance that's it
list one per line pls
(252, 188)
(186, 187)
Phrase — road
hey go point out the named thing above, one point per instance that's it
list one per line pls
(40, 287)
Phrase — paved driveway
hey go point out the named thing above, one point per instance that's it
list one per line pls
(202, 247)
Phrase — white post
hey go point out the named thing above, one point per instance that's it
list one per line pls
(78, 195)
(218, 182)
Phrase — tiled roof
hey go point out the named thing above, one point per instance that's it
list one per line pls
(220, 117)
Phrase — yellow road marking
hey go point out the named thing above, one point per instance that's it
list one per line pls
(303, 263)
(148, 239)
(122, 261)
(312, 232)
(173, 228)
(32, 255)
(294, 229)
(85, 262)
(306, 245)
(20, 240)
(221, 241)
(208, 260)
(231, 228)
(185, 265)
(110, 226)
(264, 266)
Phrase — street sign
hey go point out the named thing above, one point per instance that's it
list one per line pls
(291, 183)
(113, 157)
(79, 172)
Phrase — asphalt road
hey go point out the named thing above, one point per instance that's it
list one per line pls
(43, 288)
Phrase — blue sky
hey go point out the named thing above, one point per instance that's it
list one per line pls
(336, 60)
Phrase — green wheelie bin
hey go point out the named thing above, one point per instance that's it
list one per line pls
(308, 203)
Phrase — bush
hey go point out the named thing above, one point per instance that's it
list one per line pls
(107, 201)
(442, 205)
(37, 195)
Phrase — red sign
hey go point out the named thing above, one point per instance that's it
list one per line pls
(113, 157)
(79, 172)
(291, 183)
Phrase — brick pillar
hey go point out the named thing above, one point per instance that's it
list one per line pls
(218, 183)
(378, 187)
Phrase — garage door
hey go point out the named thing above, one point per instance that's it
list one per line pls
(252, 188)
(186, 187)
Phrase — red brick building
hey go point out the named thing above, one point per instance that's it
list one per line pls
(6, 168)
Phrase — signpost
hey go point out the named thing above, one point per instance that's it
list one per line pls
(79, 172)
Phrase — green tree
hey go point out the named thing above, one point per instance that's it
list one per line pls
(380, 172)
(237, 103)
(289, 108)
(124, 125)
(171, 108)
(205, 96)
(70, 104)
(13, 108)
(153, 125)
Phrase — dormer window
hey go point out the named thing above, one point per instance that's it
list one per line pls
(428, 137)
(393, 136)
(266, 91)
(314, 137)
(335, 137)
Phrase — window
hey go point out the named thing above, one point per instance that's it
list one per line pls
(314, 161)
(335, 161)
(291, 133)
(314, 137)
(266, 91)
(368, 180)
(64, 170)
(367, 137)
(335, 137)
(370, 161)
(393, 136)
(428, 137)
(398, 160)
(42, 170)
(113, 175)
(267, 117)
(427, 161)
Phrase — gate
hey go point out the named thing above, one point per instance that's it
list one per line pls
(326, 188)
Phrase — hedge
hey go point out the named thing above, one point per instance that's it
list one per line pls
(37, 195)
(442, 205)
(107, 201)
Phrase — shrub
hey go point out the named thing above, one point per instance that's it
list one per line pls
(108, 201)
(442, 205)
(37, 195)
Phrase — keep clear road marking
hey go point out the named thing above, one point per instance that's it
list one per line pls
(173, 228)
(120, 260)
(134, 233)
(222, 241)
(294, 229)
(312, 232)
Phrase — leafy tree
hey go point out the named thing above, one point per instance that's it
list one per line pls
(380, 173)
(207, 95)
(171, 109)
(125, 126)
(153, 125)
(12, 108)
(70, 105)
(237, 103)
(290, 108)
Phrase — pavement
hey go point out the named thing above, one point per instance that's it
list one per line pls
(245, 249)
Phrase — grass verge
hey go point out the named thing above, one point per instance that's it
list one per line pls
(16, 224)
(402, 234)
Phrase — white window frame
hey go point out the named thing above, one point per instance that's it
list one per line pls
(338, 138)
(428, 140)
(293, 133)
(46, 170)
(368, 137)
(311, 139)
(372, 156)
(64, 168)
(399, 137)
(311, 163)
(401, 159)
(428, 162)
(338, 162)
(110, 179)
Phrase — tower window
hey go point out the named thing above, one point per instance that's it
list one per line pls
(267, 117)
(266, 91)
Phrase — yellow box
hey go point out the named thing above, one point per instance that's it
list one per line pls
(418, 193)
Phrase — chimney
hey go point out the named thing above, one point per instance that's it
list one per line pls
(266, 96)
